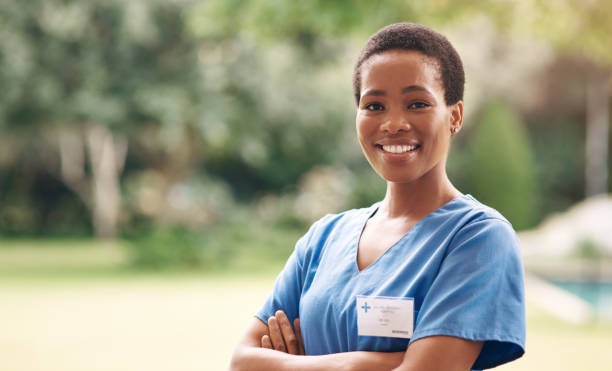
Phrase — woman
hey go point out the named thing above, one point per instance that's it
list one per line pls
(426, 279)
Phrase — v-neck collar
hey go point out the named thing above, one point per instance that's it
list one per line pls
(369, 212)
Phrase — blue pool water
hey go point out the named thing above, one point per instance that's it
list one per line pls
(598, 294)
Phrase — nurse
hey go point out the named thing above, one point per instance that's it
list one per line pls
(426, 279)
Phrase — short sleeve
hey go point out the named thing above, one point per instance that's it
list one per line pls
(288, 286)
(478, 294)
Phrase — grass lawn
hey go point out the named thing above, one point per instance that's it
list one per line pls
(118, 319)
(556, 345)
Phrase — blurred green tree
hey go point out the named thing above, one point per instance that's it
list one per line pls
(91, 74)
(306, 23)
(254, 93)
(500, 165)
(583, 29)
(261, 133)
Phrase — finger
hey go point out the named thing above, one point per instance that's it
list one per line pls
(275, 335)
(287, 332)
(298, 335)
(265, 342)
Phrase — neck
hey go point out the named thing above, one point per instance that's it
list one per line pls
(416, 199)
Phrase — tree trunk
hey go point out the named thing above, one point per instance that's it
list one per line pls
(72, 164)
(107, 156)
(597, 134)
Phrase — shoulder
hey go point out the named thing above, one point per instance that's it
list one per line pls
(485, 228)
(346, 219)
(475, 211)
(477, 215)
(331, 226)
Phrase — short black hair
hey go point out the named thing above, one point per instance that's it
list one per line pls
(412, 36)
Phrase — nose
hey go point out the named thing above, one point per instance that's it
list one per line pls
(394, 123)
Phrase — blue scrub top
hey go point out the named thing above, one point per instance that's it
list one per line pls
(461, 264)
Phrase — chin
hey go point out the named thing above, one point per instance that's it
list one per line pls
(398, 178)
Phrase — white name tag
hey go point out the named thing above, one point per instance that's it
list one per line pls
(385, 316)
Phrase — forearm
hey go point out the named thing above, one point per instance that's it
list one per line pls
(440, 353)
(255, 359)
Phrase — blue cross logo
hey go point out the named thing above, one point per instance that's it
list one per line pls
(365, 307)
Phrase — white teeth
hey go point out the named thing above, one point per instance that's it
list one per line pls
(398, 148)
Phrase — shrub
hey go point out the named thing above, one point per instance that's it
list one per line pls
(169, 247)
(501, 165)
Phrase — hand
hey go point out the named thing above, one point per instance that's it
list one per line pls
(282, 337)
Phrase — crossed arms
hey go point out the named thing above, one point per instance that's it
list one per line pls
(275, 346)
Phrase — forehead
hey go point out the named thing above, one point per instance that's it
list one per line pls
(400, 67)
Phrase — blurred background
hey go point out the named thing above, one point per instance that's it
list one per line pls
(159, 159)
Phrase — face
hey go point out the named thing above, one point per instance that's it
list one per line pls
(403, 123)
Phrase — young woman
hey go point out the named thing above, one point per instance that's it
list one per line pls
(427, 278)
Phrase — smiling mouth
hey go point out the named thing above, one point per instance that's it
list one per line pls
(399, 148)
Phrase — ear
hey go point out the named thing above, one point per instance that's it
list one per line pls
(456, 117)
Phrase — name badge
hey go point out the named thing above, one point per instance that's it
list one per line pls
(385, 316)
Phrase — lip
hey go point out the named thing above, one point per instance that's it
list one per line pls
(396, 142)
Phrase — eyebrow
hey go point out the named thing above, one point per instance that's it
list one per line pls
(412, 88)
(407, 89)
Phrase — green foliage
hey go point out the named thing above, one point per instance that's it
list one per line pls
(261, 132)
(306, 23)
(32, 201)
(239, 246)
(251, 93)
(369, 188)
(587, 249)
(69, 62)
(70, 66)
(559, 148)
(301, 22)
(168, 247)
(560, 22)
(501, 165)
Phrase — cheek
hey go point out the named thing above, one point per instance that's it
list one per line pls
(365, 127)
(441, 127)
(442, 139)
(438, 132)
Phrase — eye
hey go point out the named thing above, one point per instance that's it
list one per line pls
(374, 107)
(418, 105)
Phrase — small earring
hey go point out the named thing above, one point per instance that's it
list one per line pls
(453, 130)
